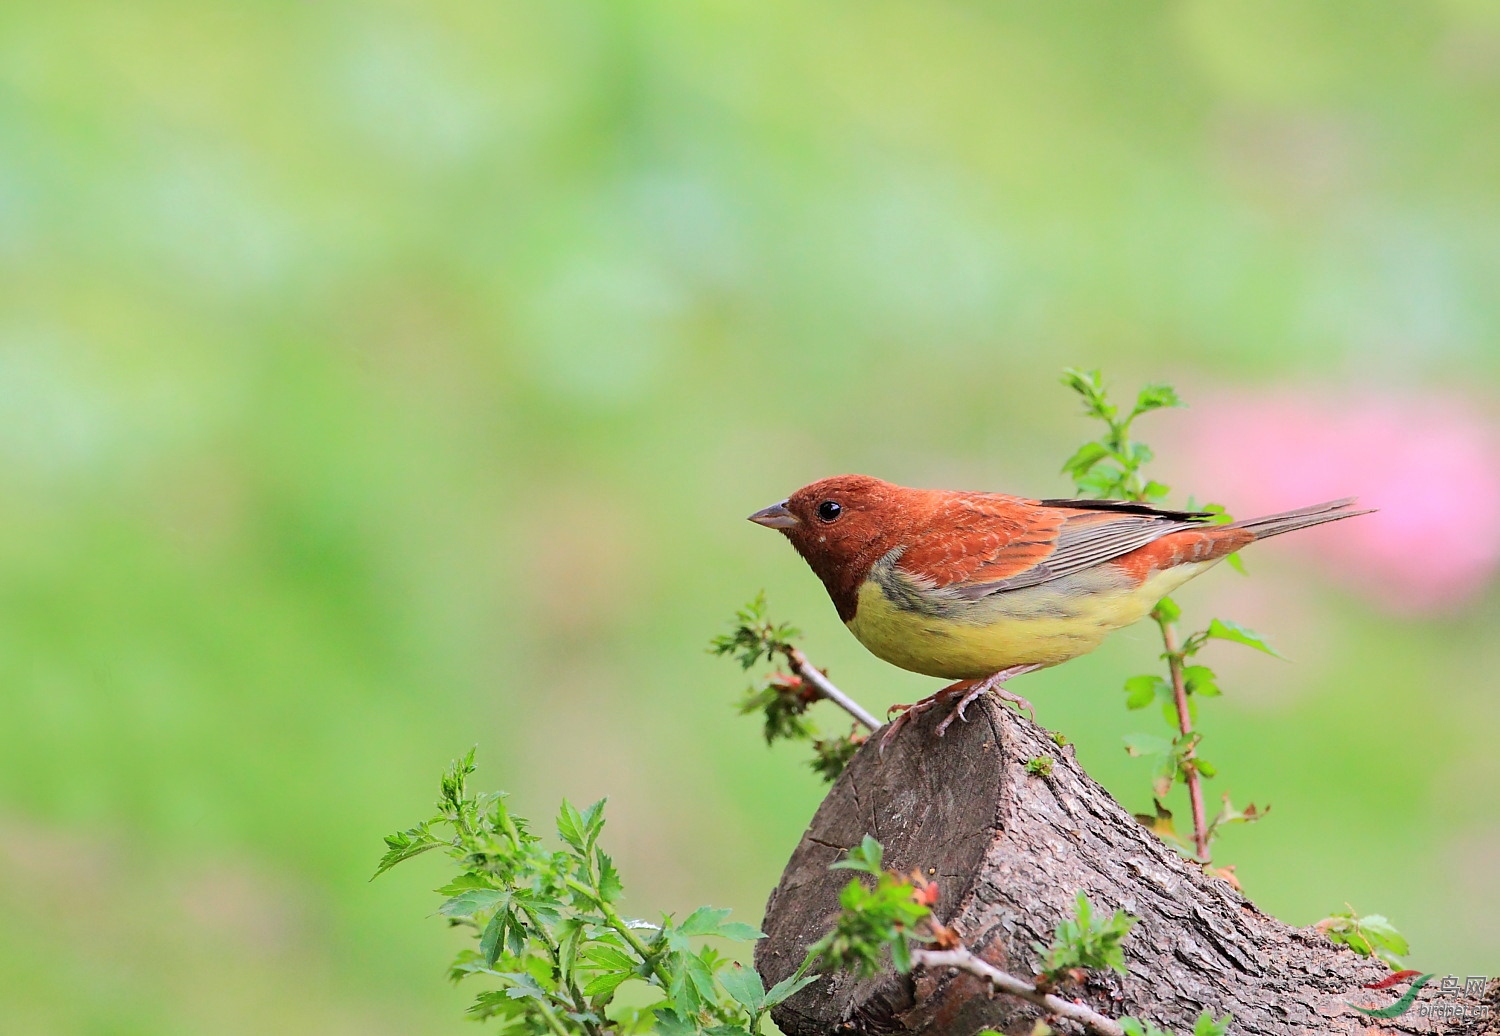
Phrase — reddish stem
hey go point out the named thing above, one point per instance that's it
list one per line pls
(1185, 724)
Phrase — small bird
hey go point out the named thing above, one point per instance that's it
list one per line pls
(982, 587)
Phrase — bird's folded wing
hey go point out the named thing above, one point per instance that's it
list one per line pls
(981, 544)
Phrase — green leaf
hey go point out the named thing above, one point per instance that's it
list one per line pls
(703, 921)
(570, 827)
(606, 983)
(474, 901)
(1089, 454)
(1142, 691)
(1155, 492)
(1166, 610)
(464, 882)
(1086, 941)
(1205, 767)
(669, 1024)
(1201, 680)
(610, 886)
(745, 986)
(866, 856)
(494, 1003)
(592, 822)
(787, 988)
(1223, 629)
(1154, 397)
(1208, 1026)
(901, 956)
(1381, 931)
(493, 939)
(403, 845)
(701, 977)
(710, 921)
(1103, 480)
(611, 957)
(1146, 745)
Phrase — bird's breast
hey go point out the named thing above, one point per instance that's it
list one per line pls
(939, 632)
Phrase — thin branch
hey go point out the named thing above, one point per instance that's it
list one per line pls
(963, 960)
(1185, 724)
(826, 689)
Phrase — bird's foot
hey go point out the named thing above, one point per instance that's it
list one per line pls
(994, 684)
(904, 713)
(965, 691)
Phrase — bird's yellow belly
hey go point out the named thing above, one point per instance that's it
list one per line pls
(1038, 625)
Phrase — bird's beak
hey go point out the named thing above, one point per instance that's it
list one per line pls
(775, 517)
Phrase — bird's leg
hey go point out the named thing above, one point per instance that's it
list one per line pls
(994, 683)
(906, 712)
(966, 691)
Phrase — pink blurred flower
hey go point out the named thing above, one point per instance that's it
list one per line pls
(1427, 461)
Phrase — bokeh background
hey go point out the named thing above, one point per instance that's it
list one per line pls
(379, 379)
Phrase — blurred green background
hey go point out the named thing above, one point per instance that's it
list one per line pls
(380, 379)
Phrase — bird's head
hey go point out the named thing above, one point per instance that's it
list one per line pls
(841, 526)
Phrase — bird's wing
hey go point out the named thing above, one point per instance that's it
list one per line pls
(981, 544)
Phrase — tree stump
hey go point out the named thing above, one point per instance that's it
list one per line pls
(1010, 850)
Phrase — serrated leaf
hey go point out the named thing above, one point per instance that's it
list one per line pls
(403, 845)
(464, 882)
(703, 921)
(610, 886)
(1154, 397)
(492, 941)
(609, 957)
(1223, 629)
(570, 826)
(493, 1003)
(669, 1024)
(683, 986)
(745, 986)
(605, 983)
(739, 931)
(467, 904)
(592, 822)
(787, 988)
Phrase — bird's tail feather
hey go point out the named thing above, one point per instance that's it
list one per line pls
(1301, 518)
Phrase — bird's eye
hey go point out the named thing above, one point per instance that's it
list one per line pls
(829, 510)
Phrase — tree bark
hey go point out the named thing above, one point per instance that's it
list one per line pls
(1010, 850)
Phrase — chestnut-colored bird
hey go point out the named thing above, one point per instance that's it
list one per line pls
(981, 587)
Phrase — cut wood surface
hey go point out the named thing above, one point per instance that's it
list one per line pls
(1010, 850)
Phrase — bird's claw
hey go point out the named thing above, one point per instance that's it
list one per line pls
(966, 691)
